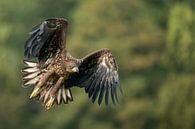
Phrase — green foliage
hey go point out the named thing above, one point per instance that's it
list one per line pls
(176, 102)
(180, 46)
(154, 48)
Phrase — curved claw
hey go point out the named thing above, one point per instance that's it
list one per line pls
(50, 102)
(35, 92)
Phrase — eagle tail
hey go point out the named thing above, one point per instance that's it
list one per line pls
(31, 73)
(62, 95)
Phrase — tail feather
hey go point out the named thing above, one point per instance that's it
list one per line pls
(62, 95)
(31, 82)
(30, 63)
(66, 95)
(46, 96)
(31, 69)
(30, 74)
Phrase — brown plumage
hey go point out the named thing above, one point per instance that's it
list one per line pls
(55, 72)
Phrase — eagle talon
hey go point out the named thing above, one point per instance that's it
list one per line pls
(35, 92)
(49, 103)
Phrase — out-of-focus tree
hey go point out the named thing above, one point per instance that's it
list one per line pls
(176, 102)
(126, 27)
(180, 46)
(176, 95)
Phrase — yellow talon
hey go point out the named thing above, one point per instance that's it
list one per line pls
(35, 93)
(49, 103)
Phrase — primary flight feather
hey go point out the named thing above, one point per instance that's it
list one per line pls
(55, 72)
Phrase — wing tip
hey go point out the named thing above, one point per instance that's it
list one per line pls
(108, 94)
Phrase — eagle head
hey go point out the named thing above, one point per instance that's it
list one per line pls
(72, 67)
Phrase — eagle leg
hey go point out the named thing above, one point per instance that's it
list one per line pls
(53, 93)
(41, 82)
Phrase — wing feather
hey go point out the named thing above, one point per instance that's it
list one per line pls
(107, 92)
(46, 39)
(102, 91)
(98, 74)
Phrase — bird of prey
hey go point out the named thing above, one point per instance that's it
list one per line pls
(51, 71)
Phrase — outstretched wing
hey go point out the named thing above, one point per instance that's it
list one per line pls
(98, 74)
(46, 39)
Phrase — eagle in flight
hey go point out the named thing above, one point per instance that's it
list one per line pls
(54, 71)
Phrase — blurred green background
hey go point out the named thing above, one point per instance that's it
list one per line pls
(152, 41)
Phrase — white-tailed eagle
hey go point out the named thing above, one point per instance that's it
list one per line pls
(55, 71)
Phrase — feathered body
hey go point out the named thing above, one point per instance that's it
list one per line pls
(56, 71)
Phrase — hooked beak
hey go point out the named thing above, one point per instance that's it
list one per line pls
(75, 69)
